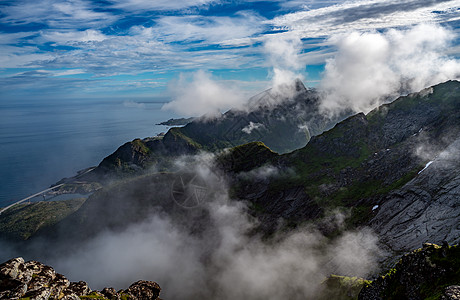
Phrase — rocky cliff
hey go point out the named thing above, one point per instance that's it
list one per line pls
(373, 166)
(35, 281)
(432, 272)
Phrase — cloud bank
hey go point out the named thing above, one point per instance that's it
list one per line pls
(283, 54)
(371, 68)
(200, 95)
(223, 260)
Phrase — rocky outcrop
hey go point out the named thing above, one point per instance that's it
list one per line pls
(365, 165)
(426, 209)
(430, 272)
(36, 281)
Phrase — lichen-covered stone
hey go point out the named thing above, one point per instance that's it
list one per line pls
(110, 293)
(451, 293)
(42, 293)
(10, 268)
(144, 290)
(36, 281)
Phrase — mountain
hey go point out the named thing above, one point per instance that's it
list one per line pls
(371, 167)
(283, 123)
(394, 169)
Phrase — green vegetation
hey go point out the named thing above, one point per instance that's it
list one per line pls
(443, 271)
(246, 157)
(94, 295)
(177, 122)
(22, 221)
(178, 136)
(342, 287)
(140, 146)
(124, 296)
(449, 260)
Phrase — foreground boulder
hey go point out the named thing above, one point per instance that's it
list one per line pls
(34, 280)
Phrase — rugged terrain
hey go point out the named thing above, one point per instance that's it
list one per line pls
(34, 280)
(369, 167)
(432, 272)
(283, 123)
(395, 169)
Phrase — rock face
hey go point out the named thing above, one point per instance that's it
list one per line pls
(431, 272)
(33, 280)
(371, 165)
(426, 209)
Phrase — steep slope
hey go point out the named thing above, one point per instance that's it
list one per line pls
(426, 208)
(358, 162)
(432, 272)
(368, 167)
(283, 123)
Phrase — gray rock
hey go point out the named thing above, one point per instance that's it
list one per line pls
(426, 209)
(80, 288)
(451, 293)
(34, 280)
(42, 293)
(110, 293)
(59, 284)
(144, 290)
(70, 297)
(10, 269)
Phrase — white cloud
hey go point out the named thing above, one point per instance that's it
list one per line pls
(365, 15)
(209, 30)
(56, 13)
(283, 52)
(20, 57)
(252, 126)
(136, 5)
(219, 259)
(69, 37)
(370, 67)
(192, 41)
(69, 72)
(202, 95)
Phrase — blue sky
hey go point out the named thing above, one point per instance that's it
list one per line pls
(141, 48)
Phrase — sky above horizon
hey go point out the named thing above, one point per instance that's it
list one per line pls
(58, 49)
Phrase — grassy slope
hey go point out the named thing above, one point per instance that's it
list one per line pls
(23, 220)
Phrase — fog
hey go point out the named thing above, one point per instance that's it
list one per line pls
(226, 259)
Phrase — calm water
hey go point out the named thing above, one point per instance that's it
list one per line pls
(42, 142)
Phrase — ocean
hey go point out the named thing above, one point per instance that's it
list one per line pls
(44, 141)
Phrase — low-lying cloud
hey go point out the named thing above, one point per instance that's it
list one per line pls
(283, 55)
(201, 94)
(222, 261)
(371, 68)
